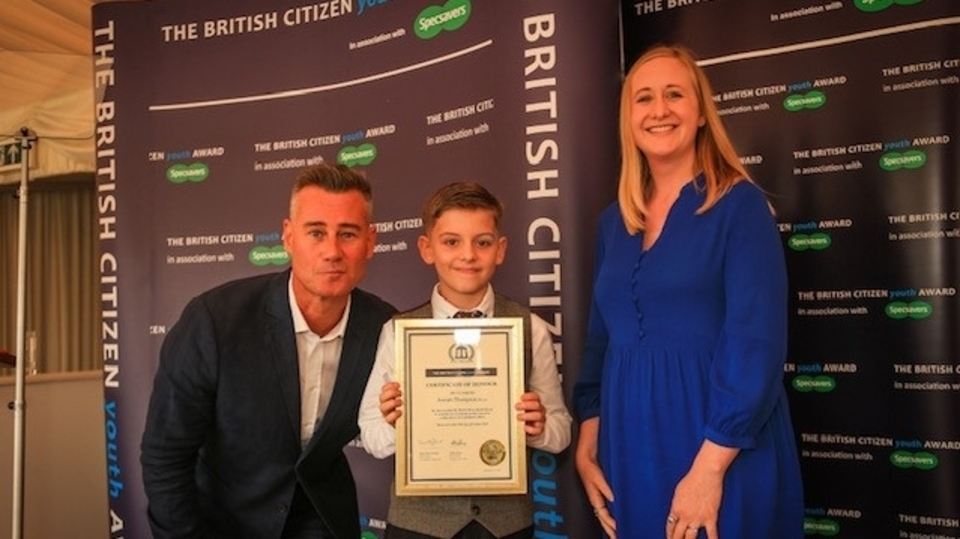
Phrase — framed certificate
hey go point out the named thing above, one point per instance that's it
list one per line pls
(459, 433)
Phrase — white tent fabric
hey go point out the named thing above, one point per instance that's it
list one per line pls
(46, 84)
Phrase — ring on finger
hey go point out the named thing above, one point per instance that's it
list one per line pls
(671, 519)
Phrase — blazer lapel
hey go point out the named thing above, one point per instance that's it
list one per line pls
(281, 343)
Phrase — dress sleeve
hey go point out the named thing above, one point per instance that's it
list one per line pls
(179, 418)
(747, 372)
(379, 438)
(586, 391)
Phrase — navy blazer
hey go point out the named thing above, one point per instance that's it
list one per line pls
(221, 451)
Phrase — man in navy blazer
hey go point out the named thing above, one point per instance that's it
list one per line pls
(246, 427)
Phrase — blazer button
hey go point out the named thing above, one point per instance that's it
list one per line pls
(475, 509)
(281, 508)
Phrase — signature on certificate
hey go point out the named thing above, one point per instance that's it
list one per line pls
(434, 441)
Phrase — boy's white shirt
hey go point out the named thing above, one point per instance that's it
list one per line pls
(379, 438)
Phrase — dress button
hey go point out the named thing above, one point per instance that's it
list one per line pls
(641, 333)
(475, 509)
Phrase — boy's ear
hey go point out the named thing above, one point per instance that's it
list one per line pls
(426, 252)
(501, 249)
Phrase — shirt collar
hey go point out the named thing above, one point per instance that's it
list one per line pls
(444, 309)
(300, 323)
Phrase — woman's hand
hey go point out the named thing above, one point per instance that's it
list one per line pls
(696, 504)
(697, 497)
(591, 475)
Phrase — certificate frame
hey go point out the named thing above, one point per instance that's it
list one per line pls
(459, 433)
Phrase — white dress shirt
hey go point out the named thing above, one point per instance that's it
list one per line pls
(380, 438)
(312, 352)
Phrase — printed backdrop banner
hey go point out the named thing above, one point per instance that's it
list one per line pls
(846, 112)
(206, 111)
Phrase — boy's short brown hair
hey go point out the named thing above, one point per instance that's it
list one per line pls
(460, 195)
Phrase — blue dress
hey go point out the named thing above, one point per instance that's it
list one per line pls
(686, 342)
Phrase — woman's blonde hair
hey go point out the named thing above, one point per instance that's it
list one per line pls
(715, 155)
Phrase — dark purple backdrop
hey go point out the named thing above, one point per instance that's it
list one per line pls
(847, 114)
(202, 132)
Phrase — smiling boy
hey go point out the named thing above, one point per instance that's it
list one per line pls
(462, 241)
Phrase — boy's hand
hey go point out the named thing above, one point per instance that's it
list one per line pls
(390, 402)
(532, 413)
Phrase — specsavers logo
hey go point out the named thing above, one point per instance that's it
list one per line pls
(911, 159)
(872, 6)
(921, 460)
(820, 384)
(820, 526)
(264, 256)
(899, 310)
(810, 100)
(817, 241)
(363, 154)
(181, 173)
(435, 19)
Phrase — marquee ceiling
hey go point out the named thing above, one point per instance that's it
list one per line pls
(46, 81)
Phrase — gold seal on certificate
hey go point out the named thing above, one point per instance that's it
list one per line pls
(492, 452)
(459, 434)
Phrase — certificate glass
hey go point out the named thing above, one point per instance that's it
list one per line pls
(459, 433)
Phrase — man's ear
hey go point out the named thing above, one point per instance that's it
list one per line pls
(285, 235)
(372, 241)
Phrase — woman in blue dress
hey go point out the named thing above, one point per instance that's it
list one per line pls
(685, 430)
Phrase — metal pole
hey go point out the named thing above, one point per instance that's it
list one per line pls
(19, 406)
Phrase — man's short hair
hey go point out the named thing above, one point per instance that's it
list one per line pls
(334, 179)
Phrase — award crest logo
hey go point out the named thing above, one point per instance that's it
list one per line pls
(461, 353)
